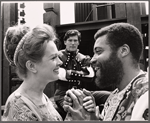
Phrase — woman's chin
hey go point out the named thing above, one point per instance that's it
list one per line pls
(56, 78)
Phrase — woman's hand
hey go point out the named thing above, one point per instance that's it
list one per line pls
(77, 111)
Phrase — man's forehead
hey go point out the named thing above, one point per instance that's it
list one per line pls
(100, 43)
(73, 36)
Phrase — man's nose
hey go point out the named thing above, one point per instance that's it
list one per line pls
(93, 60)
(72, 42)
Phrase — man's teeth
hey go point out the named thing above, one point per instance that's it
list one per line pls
(96, 68)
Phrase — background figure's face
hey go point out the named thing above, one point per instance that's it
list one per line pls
(109, 70)
(72, 43)
(49, 66)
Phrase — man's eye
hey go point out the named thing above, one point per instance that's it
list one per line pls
(54, 58)
(98, 52)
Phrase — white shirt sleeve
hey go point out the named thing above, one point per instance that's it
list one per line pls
(140, 106)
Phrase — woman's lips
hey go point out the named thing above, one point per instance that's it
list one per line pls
(56, 70)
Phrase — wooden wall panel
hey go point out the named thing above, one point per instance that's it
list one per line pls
(9, 18)
(134, 17)
(5, 65)
(120, 10)
(143, 9)
(82, 11)
(134, 14)
(52, 15)
(102, 12)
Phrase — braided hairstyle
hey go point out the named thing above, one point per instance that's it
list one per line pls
(12, 38)
(23, 43)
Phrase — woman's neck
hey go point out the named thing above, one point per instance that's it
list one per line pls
(33, 91)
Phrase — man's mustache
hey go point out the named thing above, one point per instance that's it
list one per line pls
(96, 66)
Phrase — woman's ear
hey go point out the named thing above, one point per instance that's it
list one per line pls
(31, 66)
(124, 50)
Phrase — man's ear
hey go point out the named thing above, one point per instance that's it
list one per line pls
(31, 66)
(124, 50)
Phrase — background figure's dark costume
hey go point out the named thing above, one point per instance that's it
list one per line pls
(81, 76)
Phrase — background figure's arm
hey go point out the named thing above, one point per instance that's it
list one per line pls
(82, 75)
(86, 72)
(62, 74)
(65, 75)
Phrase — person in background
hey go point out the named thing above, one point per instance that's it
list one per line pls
(34, 54)
(117, 51)
(76, 69)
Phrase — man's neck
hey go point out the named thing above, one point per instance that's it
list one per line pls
(72, 53)
(129, 74)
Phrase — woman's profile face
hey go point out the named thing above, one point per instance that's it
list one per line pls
(48, 68)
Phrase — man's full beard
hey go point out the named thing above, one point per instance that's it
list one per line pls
(110, 73)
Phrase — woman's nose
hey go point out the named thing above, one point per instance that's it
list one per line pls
(60, 62)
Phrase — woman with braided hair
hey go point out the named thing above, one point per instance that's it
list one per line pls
(34, 54)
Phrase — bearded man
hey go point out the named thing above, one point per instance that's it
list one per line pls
(117, 51)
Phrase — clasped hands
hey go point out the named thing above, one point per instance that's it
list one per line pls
(80, 105)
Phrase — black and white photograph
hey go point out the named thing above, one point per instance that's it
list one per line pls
(74, 61)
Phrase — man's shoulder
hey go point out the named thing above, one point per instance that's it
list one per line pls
(142, 79)
(81, 56)
(61, 52)
(141, 84)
